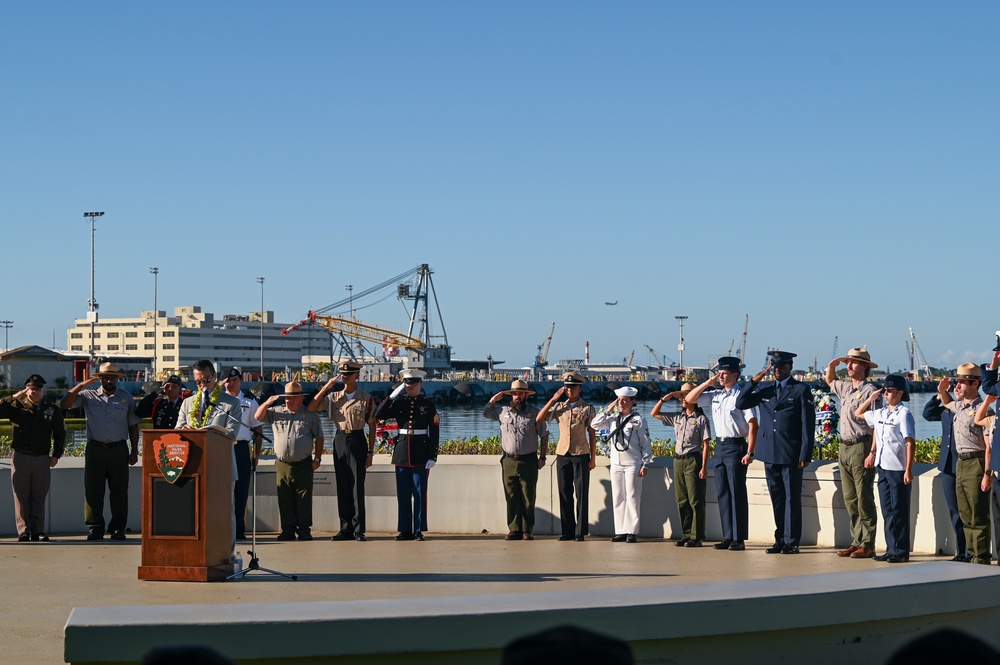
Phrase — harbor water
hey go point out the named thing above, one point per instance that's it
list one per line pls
(465, 421)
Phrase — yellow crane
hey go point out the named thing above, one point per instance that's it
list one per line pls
(391, 340)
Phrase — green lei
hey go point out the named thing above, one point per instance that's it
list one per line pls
(196, 406)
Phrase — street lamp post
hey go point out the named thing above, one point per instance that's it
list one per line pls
(350, 297)
(680, 345)
(92, 311)
(7, 325)
(156, 274)
(260, 280)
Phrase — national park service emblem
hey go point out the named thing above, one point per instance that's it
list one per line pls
(171, 455)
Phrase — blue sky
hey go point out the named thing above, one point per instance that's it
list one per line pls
(828, 168)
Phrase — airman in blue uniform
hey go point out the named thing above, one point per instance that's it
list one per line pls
(785, 443)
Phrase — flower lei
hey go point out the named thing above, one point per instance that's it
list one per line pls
(196, 405)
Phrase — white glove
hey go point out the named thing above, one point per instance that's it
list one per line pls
(430, 464)
(398, 391)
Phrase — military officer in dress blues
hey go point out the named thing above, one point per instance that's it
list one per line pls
(785, 443)
(415, 451)
(164, 405)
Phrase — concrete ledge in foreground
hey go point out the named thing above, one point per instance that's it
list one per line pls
(828, 618)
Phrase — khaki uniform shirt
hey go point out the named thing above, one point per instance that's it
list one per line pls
(968, 435)
(574, 421)
(852, 427)
(350, 413)
(691, 431)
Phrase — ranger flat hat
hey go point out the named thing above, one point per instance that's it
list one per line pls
(859, 354)
(731, 363)
(293, 389)
(780, 357)
(519, 386)
(968, 371)
(35, 380)
(349, 367)
(626, 391)
(412, 375)
(108, 369)
(687, 387)
(899, 383)
(174, 379)
(572, 379)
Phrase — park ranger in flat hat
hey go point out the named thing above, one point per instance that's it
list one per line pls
(972, 477)
(856, 481)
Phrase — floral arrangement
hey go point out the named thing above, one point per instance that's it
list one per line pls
(826, 418)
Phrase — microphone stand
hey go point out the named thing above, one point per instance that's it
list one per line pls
(254, 563)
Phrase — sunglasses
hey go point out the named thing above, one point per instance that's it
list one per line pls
(410, 382)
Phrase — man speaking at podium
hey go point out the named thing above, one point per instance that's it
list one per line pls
(209, 406)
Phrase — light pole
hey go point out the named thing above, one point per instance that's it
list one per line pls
(92, 311)
(7, 325)
(680, 345)
(350, 297)
(260, 280)
(156, 274)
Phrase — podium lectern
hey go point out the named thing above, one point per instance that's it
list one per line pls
(187, 505)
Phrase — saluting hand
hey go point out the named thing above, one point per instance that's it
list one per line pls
(944, 385)
(759, 376)
(496, 398)
(833, 363)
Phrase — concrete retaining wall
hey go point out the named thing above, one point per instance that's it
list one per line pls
(860, 617)
(466, 496)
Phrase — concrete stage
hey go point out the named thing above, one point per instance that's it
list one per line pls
(463, 596)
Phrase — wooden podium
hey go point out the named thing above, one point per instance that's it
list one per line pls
(187, 505)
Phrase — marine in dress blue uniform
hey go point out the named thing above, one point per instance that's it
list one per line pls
(785, 444)
(415, 451)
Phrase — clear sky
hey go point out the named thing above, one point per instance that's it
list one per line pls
(830, 169)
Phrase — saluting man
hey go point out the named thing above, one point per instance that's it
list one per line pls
(350, 410)
(856, 481)
(39, 441)
(164, 405)
(415, 451)
(785, 444)
(972, 477)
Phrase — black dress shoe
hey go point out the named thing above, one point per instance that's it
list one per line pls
(118, 535)
(34, 537)
(579, 539)
(790, 549)
(95, 535)
(360, 537)
(682, 542)
(40, 536)
(241, 536)
(513, 535)
(285, 535)
(724, 545)
(737, 546)
(23, 538)
(305, 535)
(406, 535)
(896, 559)
(618, 538)
(777, 548)
(418, 536)
(630, 538)
(881, 557)
(565, 537)
(342, 536)
(697, 543)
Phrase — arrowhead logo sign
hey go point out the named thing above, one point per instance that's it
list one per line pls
(171, 455)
